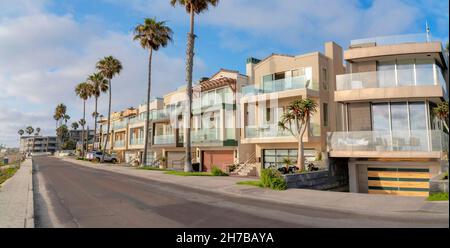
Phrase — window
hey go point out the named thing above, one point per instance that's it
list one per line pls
(424, 72)
(325, 114)
(267, 114)
(386, 73)
(405, 72)
(380, 117)
(325, 78)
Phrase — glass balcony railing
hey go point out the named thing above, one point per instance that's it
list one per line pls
(415, 140)
(280, 85)
(164, 139)
(119, 125)
(136, 141)
(119, 143)
(205, 135)
(389, 78)
(393, 39)
(275, 131)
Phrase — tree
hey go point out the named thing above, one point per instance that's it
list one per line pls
(60, 112)
(20, 132)
(75, 125)
(99, 85)
(69, 145)
(38, 130)
(66, 118)
(152, 35)
(296, 120)
(108, 67)
(193, 7)
(62, 132)
(441, 111)
(83, 91)
(29, 130)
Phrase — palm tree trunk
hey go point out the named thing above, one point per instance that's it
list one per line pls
(300, 152)
(147, 119)
(109, 119)
(189, 68)
(82, 132)
(95, 122)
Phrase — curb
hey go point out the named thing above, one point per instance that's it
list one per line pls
(29, 218)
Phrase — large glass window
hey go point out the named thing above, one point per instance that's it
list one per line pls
(417, 116)
(424, 72)
(380, 117)
(386, 73)
(399, 116)
(405, 72)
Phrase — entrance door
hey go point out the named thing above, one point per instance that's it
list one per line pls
(399, 181)
(217, 158)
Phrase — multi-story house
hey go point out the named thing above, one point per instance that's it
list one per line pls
(387, 133)
(29, 144)
(275, 82)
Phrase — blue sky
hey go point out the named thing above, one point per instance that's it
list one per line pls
(48, 46)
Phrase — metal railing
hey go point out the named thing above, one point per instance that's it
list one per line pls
(415, 140)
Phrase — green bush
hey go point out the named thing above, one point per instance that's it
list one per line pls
(445, 176)
(271, 178)
(216, 171)
(438, 197)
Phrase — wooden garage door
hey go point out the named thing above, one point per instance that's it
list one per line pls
(399, 181)
(217, 158)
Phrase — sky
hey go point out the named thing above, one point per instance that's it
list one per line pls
(47, 47)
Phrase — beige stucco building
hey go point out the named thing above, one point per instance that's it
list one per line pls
(386, 130)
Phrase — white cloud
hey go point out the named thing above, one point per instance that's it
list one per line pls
(44, 56)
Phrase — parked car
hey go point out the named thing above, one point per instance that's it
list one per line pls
(97, 155)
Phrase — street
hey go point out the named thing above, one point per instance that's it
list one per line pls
(70, 195)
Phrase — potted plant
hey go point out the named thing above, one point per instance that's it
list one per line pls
(287, 163)
(162, 161)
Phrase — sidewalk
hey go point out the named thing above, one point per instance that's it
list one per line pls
(375, 205)
(16, 199)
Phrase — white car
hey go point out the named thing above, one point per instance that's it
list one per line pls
(97, 155)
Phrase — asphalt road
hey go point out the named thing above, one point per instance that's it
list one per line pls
(70, 195)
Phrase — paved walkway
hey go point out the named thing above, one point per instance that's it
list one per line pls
(16, 199)
(382, 205)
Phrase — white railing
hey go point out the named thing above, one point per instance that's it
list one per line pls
(415, 140)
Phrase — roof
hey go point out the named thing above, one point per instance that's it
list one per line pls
(217, 83)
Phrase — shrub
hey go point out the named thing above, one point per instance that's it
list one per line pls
(271, 178)
(216, 171)
(438, 197)
(445, 176)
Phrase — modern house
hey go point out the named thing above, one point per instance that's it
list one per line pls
(37, 144)
(386, 130)
(275, 82)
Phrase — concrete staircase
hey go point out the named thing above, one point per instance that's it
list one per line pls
(248, 168)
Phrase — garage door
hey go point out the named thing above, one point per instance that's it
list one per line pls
(217, 158)
(399, 181)
(175, 160)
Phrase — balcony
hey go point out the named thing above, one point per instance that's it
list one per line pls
(392, 40)
(136, 141)
(399, 144)
(168, 139)
(280, 85)
(119, 143)
(391, 84)
(119, 125)
(206, 135)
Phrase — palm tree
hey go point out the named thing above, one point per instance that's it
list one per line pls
(152, 35)
(84, 91)
(38, 130)
(60, 112)
(193, 7)
(29, 130)
(441, 111)
(108, 67)
(20, 132)
(75, 125)
(66, 118)
(99, 85)
(296, 121)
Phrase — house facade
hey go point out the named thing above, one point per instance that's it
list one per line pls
(29, 144)
(277, 81)
(386, 130)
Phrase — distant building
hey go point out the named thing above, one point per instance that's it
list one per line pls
(38, 144)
